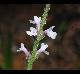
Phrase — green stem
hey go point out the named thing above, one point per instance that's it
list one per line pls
(32, 59)
(40, 36)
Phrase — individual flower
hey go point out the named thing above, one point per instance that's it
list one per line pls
(42, 49)
(36, 21)
(50, 33)
(27, 54)
(33, 32)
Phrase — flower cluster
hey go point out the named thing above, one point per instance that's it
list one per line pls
(34, 32)
(27, 53)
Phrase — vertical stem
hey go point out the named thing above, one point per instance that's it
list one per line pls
(32, 59)
(39, 37)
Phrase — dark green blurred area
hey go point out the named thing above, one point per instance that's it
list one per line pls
(64, 50)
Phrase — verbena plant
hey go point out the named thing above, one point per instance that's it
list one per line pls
(39, 34)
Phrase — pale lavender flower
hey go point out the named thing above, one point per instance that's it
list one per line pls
(36, 21)
(27, 54)
(33, 32)
(42, 49)
(50, 33)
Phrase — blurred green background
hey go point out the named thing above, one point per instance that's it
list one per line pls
(64, 50)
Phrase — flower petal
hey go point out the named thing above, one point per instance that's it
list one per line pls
(24, 50)
(33, 32)
(37, 20)
(46, 52)
(42, 49)
(50, 33)
(32, 21)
